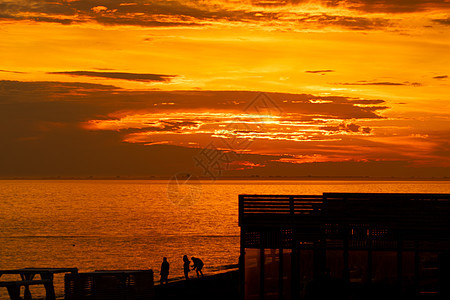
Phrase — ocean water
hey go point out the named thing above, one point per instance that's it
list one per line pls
(132, 224)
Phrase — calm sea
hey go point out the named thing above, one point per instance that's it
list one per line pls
(110, 224)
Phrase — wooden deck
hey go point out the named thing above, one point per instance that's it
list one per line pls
(354, 237)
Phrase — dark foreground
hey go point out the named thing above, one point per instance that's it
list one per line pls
(218, 287)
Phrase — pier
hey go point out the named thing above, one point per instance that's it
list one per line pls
(354, 245)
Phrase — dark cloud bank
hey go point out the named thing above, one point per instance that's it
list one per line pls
(159, 13)
(119, 75)
(41, 135)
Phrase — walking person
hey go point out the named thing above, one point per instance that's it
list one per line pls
(198, 266)
(186, 264)
(164, 271)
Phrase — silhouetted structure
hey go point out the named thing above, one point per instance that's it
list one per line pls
(186, 266)
(28, 276)
(198, 266)
(345, 245)
(108, 285)
(164, 271)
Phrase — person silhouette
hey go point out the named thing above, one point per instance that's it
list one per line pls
(164, 271)
(186, 265)
(198, 265)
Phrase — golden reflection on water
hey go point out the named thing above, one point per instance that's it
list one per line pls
(132, 224)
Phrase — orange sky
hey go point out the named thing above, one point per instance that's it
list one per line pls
(106, 88)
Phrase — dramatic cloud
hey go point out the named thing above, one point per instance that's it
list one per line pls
(322, 20)
(119, 75)
(322, 72)
(441, 77)
(350, 127)
(443, 21)
(373, 6)
(160, 13)
(191, 118)
(8, 17)
(152, 14)
(81, 129)
(13, 92)
(362, 82)
(16, 72)
(394, 6)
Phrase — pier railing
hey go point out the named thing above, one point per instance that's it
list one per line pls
(358, 220)
(406, 211)
(275, 208)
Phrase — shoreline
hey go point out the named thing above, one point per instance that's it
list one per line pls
(210, 272)
(224, 285)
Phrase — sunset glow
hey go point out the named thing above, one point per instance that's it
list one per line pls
(359, 87)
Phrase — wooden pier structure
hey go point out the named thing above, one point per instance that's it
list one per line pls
(345, 246)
